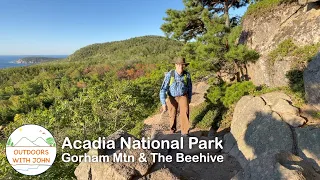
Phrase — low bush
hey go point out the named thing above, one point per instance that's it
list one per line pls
(209, 119)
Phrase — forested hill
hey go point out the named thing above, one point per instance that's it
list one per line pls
(99, 89)
(145, 49)
(150, 48)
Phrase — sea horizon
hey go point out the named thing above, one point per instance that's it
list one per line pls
(7, 61)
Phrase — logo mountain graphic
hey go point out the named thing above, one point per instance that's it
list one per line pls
(27, 142)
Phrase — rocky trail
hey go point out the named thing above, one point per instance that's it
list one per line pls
(268, 134)
(269, 139)
(157, 127)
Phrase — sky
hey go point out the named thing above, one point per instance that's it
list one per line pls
(60, 27)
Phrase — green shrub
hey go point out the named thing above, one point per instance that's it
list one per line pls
(198, 112)
(209, 119)
(136, 131)
(226, 120)
(316, 114)
(214, 94)
(295, 78)
(223, 97)
(236, 91)
(213, 80)
(4, 165)
(305, 54)
(296, 84)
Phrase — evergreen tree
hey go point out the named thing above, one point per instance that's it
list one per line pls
(188, 24)
(208, 36)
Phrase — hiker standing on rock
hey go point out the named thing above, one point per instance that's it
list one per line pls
(177, 85)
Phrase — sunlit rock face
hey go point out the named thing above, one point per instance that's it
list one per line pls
(265, 32)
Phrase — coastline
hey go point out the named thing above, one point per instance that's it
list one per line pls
(10, 61)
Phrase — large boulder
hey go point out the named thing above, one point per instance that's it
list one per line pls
(283, 107)
(282, 165)
(236, 153)
(115, 170)
(263, 142)
(308, 141)
(257, 129)
(201, 170)
(304, 2)
(293, 120)
(288, 113)
(228, 143)
(244, 113)
(160, 174)
(311, 78)
(272, 97)
(101, 171)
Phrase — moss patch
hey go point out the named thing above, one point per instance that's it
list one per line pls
(284, 49)
(316, 115)
(261, 7)
(288, 48)
(305, 54)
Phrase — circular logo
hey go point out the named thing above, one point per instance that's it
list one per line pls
(31, 149)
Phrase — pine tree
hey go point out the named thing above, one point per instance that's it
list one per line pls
(204, 26)
(188, 24)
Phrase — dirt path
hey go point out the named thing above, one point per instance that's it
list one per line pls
(157, 127)
(160, 122)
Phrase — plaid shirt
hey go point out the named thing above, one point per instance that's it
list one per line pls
(177, 88)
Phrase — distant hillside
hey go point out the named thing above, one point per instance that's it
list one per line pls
(99, 89)
(147, 48)
(33, 60)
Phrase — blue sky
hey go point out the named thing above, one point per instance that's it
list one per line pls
(56, 27)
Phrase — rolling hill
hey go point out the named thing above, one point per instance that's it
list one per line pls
(145, 48)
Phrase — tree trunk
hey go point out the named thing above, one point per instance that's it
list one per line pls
(226, 14)
(246, 75)
(237, 71)
(241, 72)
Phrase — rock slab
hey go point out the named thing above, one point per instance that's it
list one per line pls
(257, 129)
(283, 165)
(308, 141)
(311, 78)
(115, 170)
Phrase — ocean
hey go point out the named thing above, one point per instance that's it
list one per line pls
(9, 61)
